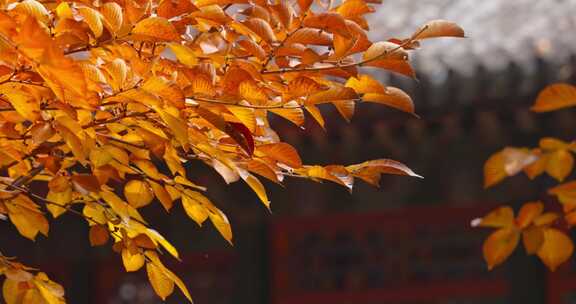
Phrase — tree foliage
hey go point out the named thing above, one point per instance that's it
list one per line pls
(105, 104)
(542, 233)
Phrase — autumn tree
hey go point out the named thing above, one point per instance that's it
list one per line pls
(543, 232)
(105, 104)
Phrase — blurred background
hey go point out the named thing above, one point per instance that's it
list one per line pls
(408, 242)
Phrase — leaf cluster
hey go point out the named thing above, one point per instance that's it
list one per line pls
(106, 105)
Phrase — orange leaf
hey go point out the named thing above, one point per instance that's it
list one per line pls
(507, 162)
(500, 245)
(364, 84)
(261, 28)
(528, 213)
(393, 97)
(500, 218)
(331, 95)
(533, 238)
(549, 143)
(556, 249)
(98, 235)
(560, 164)
(309, 36)
(554, 97)
(328, 21)
(283, 153)
(155, 29)
(438, 28)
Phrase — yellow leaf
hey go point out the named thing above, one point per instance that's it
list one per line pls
(161, 283)
(500, 245)
(132, 262)
(154, 259)
(176, 125)
(556, 249)
(94, 20)
(34, 9)
(256, 186)
(72, 141)
(95, 212)
(162, 195)
(26, 216)
(158, 238)
(364, 84)
(184, 54)
(117, 204)
(554, 97)
(24, 104)
(112, 16)
(11, 292)
(221, 223)
(148, 168)
(246, 116)
(100, 157)
(316, 114)
(60, 200)
(155, 29)
(138, 193)
(51, 292)
(194, 207)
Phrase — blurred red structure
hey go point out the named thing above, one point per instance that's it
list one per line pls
(203, 273)
(408, 256)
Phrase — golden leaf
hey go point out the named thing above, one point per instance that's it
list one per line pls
(161, 283)
(138, 193)
(132, 262)
(220, 221)
(192, 203)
